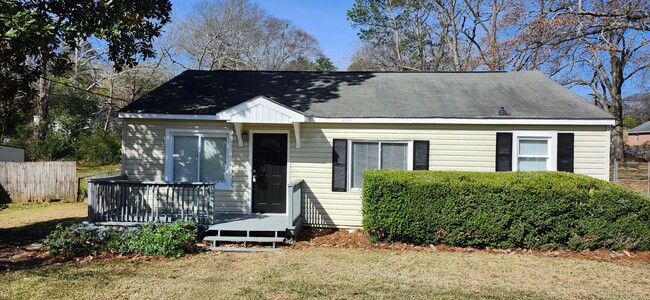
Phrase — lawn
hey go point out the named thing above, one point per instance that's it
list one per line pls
(318, 272)
(84, 172)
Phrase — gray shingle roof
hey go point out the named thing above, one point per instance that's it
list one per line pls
(645, 127)
(529, 95)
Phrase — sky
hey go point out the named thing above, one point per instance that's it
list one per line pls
(325, 20)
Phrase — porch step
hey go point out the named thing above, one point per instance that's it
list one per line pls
(242, 249)
(244, 239)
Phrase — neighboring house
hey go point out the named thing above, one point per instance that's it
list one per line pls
(639, 135)
(12, 154)
(254, 133)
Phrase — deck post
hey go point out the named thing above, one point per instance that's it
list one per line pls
(91, 197)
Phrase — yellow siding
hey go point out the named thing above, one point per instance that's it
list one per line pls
(452, 147)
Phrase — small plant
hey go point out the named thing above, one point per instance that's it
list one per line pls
(77, 240)
(169, 240)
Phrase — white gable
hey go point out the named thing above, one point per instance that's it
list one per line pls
(261, 110)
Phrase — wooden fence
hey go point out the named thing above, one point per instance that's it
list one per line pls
(39, 181)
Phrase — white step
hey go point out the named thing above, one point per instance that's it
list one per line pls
(244, 239)
(241, 249)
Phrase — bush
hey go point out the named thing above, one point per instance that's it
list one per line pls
(77, 240)
(169, 240)
(503, 210)
(100, 147)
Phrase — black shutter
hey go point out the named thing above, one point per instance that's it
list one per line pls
(339, 165)
(504, 151)
(565, 152)
(420, 155)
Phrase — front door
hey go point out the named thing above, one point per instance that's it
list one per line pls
(269, 173)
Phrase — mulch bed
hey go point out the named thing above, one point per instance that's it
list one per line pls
(17, 255)
(316, 237)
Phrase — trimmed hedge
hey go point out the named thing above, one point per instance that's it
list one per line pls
(504, 210)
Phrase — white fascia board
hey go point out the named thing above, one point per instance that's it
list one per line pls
(463, 121)
(167, 116)
(222, 116)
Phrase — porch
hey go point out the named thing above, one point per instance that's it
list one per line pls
(123, 202)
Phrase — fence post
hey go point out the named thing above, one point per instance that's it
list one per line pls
(615, 171)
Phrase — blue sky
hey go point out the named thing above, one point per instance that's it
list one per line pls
(325, 20)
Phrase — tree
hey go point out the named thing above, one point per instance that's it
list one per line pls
(37, 35)
(438, 35)
(600, 45)
(237, 35)
(324, 64)
(629, 122)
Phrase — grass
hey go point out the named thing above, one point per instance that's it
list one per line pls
(335, 273)
(88, 171)
(19, 215)
(315, 272)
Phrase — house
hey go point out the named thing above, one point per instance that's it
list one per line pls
(639, 135)
(12, 154)
(295, 144)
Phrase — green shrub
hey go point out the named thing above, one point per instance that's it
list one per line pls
(509, 209)
(169, 240)
(77, 240)
(100, 147)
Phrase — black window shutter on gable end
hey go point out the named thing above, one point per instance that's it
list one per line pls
(565, 152)
(420, 155)
(504, 151)
(339, 165)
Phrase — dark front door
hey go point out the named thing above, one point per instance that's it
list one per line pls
(269, 173)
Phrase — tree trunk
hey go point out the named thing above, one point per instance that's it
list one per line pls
(43, 101)
(110, 106)
(616, 107)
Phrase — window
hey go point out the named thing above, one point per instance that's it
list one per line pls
(198, 156)
(535, 151)
(636, 137)
(377, 155)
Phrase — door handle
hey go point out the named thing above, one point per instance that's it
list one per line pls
(254, 178)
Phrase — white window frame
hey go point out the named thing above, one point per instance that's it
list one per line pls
(550, 136)
(170, 133)
(409, 154)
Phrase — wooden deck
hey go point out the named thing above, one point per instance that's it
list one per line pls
(122, 202)
(253, 222)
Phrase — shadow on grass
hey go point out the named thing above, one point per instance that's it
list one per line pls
(13, 241)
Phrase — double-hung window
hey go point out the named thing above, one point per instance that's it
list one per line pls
(389, 155)
(198, 156)
(535, 151)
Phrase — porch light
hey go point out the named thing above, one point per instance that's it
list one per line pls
(244, 136)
